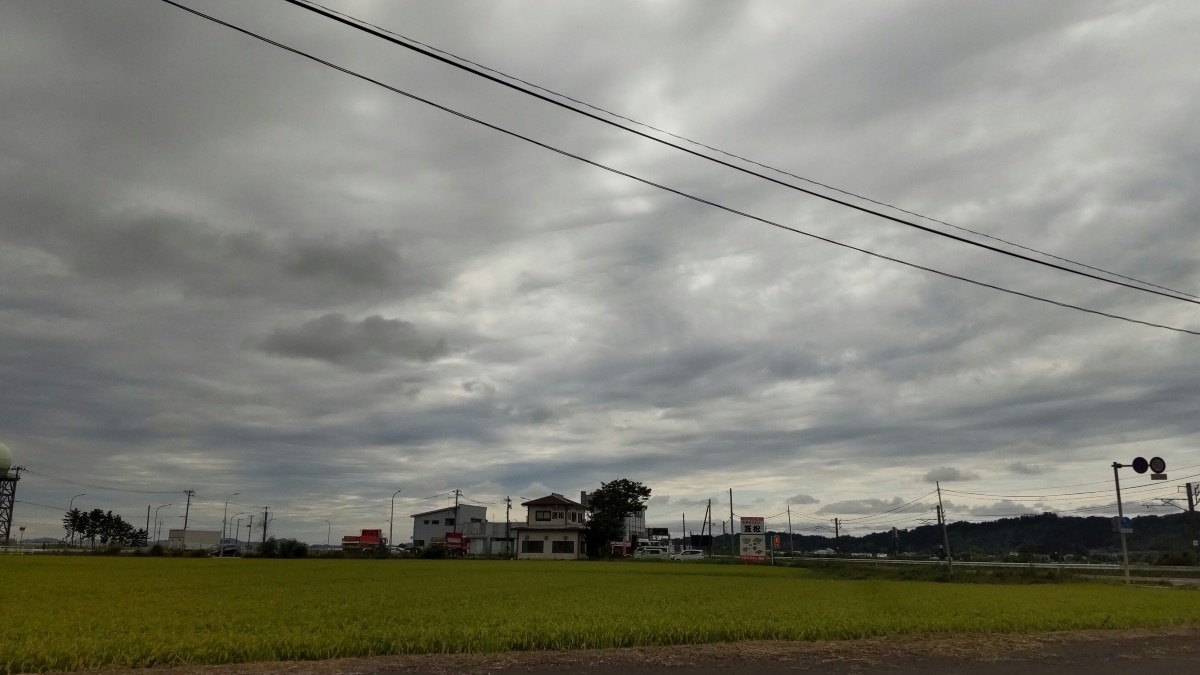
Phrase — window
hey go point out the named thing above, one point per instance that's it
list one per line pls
(560, 516)
(477, 520)
(449, 521)
(435, 522)
(572, 516)
(426, 521)
(541, 515)
(562, 546)
(533, 546)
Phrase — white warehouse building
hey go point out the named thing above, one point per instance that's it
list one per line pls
(431, 527)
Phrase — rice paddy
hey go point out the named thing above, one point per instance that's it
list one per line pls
(71, 613)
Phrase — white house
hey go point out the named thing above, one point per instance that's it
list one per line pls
(553, 529)
(431, 527)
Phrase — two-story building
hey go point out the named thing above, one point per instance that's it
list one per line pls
(431, 527)
(553, 529)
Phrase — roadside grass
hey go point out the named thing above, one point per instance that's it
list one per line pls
(72, 613)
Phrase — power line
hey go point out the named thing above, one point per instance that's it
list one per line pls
(737, 156)
(103, 487)
(1069, 495)
(44, 506)
(893, 510)
(671, 190)
(381, 33)
(1069, 485)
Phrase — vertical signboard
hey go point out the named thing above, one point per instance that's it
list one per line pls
(753, 539)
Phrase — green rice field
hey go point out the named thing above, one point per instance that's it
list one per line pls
(70, 613)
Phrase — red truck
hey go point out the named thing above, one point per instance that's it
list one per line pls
(365, 541)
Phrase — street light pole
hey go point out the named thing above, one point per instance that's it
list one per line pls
(156, 521)
(225, 523)
(71, 509)
(328, 529)
(393, 517)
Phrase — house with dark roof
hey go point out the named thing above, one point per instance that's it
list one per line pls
(553, 529)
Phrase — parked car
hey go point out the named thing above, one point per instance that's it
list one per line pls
(651, 553)
(689, 554)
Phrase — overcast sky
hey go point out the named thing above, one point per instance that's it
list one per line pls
(229, 269)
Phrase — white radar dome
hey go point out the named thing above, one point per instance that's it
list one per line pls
(5, 459)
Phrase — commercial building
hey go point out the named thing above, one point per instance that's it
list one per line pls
(431, 527)
(195, 539)
(489, 538)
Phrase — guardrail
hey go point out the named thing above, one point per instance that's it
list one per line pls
(20, 550)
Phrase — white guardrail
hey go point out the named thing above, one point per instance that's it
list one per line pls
(20, 550)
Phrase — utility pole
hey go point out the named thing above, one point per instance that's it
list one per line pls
(945, 534)
(1121, 519)
(186, 512)
(457, 494)
(266, 520)
(837, 533)
(791, 538)
(507, 524)
(250, 531)
(708, 519)
(732, 536)
(1192, 491)
(148, 524)
(683, 534)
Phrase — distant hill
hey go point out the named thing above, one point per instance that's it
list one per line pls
(1040, 534)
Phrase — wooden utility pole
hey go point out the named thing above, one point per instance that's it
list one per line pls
(945, 534)
(457, 494)
(266, 520)
(1192, 491)
(507, 524)
(732, 530)
(836, 535)
(186, 512)
(791, 538)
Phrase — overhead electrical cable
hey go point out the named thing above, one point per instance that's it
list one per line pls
(383, 35)
(671, 190)
(103, 487)
(44, 506)
(736, 156)
(892, 510)
(1070, 485)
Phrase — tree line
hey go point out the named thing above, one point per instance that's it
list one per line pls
(103, 527)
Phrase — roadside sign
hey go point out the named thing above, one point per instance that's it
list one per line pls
(1158, 476)
(1158, 465)
(753, 539)
(752, 525)
(1140, 464)
(1123, 525)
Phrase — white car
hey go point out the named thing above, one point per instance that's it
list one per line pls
(651, 553)
(688, 555)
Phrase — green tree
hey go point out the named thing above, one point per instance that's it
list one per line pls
(73, 522)
(93, 525)
(609, 507)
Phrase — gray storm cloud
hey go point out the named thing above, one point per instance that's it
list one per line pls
(336, 339)
(219, 262)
